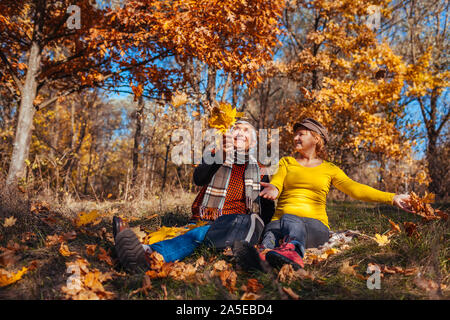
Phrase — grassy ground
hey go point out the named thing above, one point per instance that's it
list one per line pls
(427, 252)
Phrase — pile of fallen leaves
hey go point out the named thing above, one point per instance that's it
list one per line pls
(83, 282)
(86, 284)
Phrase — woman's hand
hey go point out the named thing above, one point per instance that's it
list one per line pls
(402, 201)
(269, 192)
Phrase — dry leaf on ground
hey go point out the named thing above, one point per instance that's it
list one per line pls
(250, 296)
(347, 269)
(64, 250)
(7, 278)
(9, 222)
(228, 278)
(90, 249)
(382, 240)
(104, 256)
(288, 274)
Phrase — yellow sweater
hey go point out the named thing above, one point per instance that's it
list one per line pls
(303, 190)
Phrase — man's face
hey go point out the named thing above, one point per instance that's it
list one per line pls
(243, 136)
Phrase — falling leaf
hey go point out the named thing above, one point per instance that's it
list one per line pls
(7, 278)
(9, 222)
(382, 240)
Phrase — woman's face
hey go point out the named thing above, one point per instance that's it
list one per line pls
(243, 136)
(304, 141)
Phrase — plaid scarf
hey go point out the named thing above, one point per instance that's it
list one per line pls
(214, 198)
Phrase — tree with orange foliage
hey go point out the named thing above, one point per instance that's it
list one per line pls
(348, 78)
(125, 46)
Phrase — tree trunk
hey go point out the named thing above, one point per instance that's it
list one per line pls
(21, 147)
(433, 164)
(137, 139)
(211, 86)
(166, 160)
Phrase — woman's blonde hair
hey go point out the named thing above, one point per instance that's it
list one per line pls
(321, 150)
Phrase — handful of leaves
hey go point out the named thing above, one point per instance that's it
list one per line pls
(422, 207)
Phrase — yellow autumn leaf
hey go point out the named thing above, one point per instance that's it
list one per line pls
(9, 222)
(223, 117)
(165, 233)
(382, 240)
(64, 250)
(87, 217)
(7, 278)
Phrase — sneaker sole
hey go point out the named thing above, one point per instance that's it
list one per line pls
(277, 260)
(130, 252)
(247, 256)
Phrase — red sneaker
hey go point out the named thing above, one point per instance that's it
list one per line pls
(285, 254)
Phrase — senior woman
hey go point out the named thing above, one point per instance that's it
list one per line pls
(301, 185)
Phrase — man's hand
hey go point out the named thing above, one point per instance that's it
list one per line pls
(402, 201)
(269, 192)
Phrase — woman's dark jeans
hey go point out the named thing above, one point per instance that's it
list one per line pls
(302, 232)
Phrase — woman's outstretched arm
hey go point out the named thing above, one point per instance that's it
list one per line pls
(364, 192)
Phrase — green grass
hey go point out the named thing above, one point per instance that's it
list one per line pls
(429, 253)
